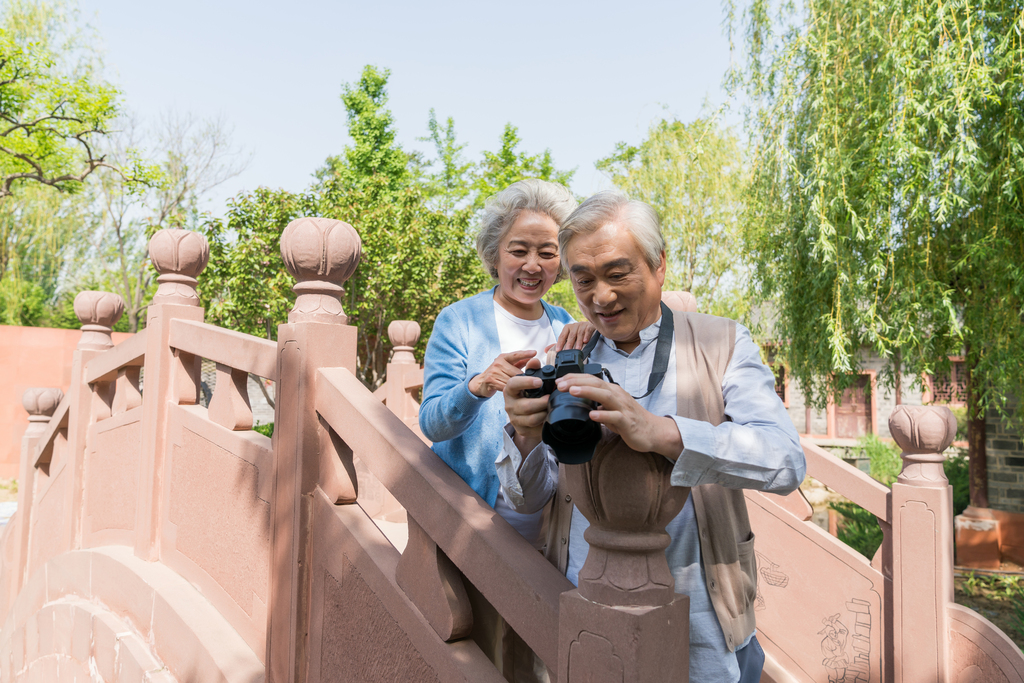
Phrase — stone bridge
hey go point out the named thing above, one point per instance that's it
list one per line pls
(157, 540)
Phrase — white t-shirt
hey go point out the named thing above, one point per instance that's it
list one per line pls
(516, 334)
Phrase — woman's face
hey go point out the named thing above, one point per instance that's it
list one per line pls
(527, 264)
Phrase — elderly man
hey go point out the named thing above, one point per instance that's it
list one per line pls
(720, 422)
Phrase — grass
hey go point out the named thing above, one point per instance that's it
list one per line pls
(999, 598)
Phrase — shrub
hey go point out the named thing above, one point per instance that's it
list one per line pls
(858, 528)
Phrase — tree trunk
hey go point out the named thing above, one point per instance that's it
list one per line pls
(977, 460)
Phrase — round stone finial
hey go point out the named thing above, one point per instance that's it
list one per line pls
(98, 312)
(680, 301)
(403, 335)
(179, 256)
(321, 253)
(40, 402)
(628, 498)
(922, 429)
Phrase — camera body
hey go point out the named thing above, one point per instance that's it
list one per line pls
(569, 430)
(567, 362)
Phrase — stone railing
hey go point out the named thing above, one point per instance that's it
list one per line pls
(187, 546)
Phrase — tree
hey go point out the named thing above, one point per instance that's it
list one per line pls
(52, 113)
(49, 94)
(413, 216)
(194, 158)
(500, 169)
(246, 287)
(41, 232)
(415, 259)
(888, 153)
(693, 176)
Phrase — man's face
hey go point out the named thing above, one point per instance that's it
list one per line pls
(616, 289)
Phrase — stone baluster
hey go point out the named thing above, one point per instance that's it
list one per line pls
(39, 403)
(178, 256)
(98, 312)
(922, 539)
(230, 406)
(403, 334)
(424, 572)
(624, 623)
(321, 254)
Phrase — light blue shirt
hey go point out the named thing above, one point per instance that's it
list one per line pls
(757, 447)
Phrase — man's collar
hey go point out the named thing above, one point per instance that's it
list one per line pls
(647, 335)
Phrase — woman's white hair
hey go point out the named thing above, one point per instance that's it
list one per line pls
(503, 209)
(639, 218)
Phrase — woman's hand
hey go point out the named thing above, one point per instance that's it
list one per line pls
(492, 380)
(574, 336)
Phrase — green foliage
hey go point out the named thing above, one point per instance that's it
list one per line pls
(887, 143)
(884, 457)
(51, 116)
(957, 473)
(693, 176)
(859, 528)
(500, 169)
(266, 430)
(449, 187)
(246, 287)
(960, 413)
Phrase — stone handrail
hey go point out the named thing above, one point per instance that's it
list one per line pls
(517, 580)
(847, 481)
(236, 355)
(129, 353)
(226, 347)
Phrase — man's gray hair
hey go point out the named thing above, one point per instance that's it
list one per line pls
(503, 209)
(639, 218)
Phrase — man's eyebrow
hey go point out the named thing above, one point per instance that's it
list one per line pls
(617, 263)
(549, 243)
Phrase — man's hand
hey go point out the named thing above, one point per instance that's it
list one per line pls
(639, 428)
(526, 415)
(574, 336)
(492, 380)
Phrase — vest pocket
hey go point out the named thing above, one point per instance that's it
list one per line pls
(749, 567)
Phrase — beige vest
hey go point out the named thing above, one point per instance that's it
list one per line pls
(704, 346)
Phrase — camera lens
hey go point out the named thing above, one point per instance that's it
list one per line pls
(569, 430)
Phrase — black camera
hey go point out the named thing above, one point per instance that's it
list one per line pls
(569, 430)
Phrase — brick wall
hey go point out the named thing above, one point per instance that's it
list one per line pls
(1005, 453)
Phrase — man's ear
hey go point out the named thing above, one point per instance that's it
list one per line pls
(660, 272)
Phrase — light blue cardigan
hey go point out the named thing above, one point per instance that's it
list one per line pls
(466, 429)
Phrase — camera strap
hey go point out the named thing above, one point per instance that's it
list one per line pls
(661, 352)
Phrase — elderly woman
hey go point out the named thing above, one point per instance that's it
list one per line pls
(476, 345)
(481, 341)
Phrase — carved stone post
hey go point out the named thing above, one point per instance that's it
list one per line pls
(624, 623)
(403, 334)
(178, 256)
(321, 254)
(98, 312)
(922, 538)
(40, 404)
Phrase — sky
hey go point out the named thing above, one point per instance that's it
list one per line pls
(574, 77)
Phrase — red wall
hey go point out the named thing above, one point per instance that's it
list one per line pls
(30, 357)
